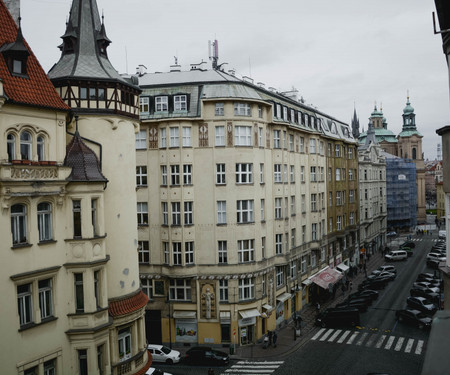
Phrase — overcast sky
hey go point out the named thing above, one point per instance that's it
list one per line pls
(339, 54)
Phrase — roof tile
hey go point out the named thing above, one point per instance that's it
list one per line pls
(128, 305)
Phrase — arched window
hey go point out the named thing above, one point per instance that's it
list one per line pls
(19, 224)
(40, 147)
(44, 212)
(414, 153)
(26, 146)
(11, 146)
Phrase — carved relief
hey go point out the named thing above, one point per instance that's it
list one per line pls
(229, 134)
(267, 137)
(34, 173)
(208, 302)
(203, 135)
(255, 130)
(153, 137)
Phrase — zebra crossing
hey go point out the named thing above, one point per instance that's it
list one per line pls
(253, 367)
(368, 339)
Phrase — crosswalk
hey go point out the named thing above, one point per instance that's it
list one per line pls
(253, 367)
(369, 339)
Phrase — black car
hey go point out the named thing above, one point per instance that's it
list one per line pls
(414, 318)
(433, 263)
(373, 294)
(338, 318)
(426, 284)
(422, 304)
(409, 244)
(426, 275)
(389, 276)
(429, 294)
(360, 304)
(373, 284)
(205, 355)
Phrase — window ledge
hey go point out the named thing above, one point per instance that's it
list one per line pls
(22, 245)
(46, 242)
(28, 326)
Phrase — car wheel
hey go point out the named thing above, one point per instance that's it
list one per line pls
(169, 361)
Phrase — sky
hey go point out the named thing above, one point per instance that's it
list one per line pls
(340, 55)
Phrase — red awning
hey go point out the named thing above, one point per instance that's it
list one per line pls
(326, 277)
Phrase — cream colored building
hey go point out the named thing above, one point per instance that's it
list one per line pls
(72, 302)
(232, 205)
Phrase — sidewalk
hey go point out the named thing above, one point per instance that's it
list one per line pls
(286, 343)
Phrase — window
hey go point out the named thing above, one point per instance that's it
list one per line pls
(175, 175)
(261, 173)
(280, 276)
(187, 174)
(293, 237)
(351, 196)
(45, 298)
(180, 103)
(124, 337)
(147, 287)
(79, 292)
(312, 146)
(278, 243)
(263, 218)
(338, 223)
(164, 175)
(141, 176)
(303, 234)
(242, 109)
(302, 144)
(144, 104)
(352, 218)
(50, 367)
(277, 173)
(260, 112)
(292, 205)
(220, 109)
(313, 174)
(244, 173)
(176, 253)
(244, 211)
(76, 211)
(11, 146)
(141, 140)
(242, 136)
(278, 208)
(338, 198)
(285, 113)
(246, 251)
(313, 259)
(303, 203)
(220, 174)
(292, 174)
(314, 232)
(26, 146)
(176, 214)
(293, 269)
(330, 199)
(291, 141)
(246, 289)
(321, 148)
(180, 290)
(189, 252)
(278, 111)
(222, 251)
(223, 291)
(165, 213)
(221, 212)
(163, 137)
(260, 137)
(338, 174)
(220, 135)
(350, 174)
(337, 151)
(25, 304)
(143, 252)
(44, 213)
(276, 139)
(82, 362)
(142, 213)
(302, 173)
(174, 137)
(313, 202)
(161, 103)
(188, 213)
(40, 147)
(187, 141)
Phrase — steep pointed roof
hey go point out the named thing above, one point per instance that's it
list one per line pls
(84, 162)
(84, 48)
(33, 88)
(355, 124)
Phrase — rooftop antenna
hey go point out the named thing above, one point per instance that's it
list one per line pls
(213, 49)
(126, 60)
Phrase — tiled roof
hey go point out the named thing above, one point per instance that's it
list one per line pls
(128, 305)
(84, 162)
(34, 90)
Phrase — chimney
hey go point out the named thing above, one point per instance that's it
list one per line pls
(14, 8)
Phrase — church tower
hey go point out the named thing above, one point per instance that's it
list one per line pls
(355, 125)
(410, 147)
(106, 118)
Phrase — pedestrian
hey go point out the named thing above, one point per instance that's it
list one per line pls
(266, 342)
(275, 337)
(269, 333)
(351, 285)
(318, 307)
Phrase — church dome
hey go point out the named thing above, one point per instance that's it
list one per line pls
(408, 109)
(376, 112)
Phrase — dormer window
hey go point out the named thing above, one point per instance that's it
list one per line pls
(16, 55)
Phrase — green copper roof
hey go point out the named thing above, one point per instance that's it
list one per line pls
(376, 112)
(409, 133)
(381, 135)
(408, 109)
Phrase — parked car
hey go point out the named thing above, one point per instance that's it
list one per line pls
(205, 355)
(442, 234)
(161, 353)
(414, 318)
(391, 234)
(385, 268)
(426, 293)
(426, 276)
(373, 294)
(409, 250)
(396, 255)
(409, 244)
(362, 298)
(360, 304)
(425, 284)
(436, 256)
(338, 318)
(422, 304)
(389, 276)
(433, 289)
(433, 263)
(439, 245)
(373, 284)
(155, 371)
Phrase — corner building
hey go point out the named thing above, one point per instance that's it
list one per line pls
(232, 206)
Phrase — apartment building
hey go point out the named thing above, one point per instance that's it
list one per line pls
(232, 205)
(72, 302)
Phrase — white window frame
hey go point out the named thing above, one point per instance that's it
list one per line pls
(277, 178)
(242, 109)
(244, 211)
(189, 252)
(244, 173)
(222, 251)
(141, 140)
(25, 304)
(44, 216)
(177, 254)
(180, 103)
(164, 175)
(223, 290)
(220, 174)
(187, 139)
(144, 104)
(141, 175)
(242, 135)
(246, 251)
(279, 276)
(144, 252)
(176, 213)
(142, 213)
(278, 213)
(246, 289)
(312, 146)
(276, 138)
(180, 290)
(188, 213)
(165, 213)
(220, 135)
(161, 104)
(174, 175)
(187, 174)
(278, 243)
(221, 212)
(174, 136)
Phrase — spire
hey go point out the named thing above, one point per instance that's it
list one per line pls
(355, 125)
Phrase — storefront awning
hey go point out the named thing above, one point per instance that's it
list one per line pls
(184, 314)
(249, 313)
(267, 307)
(327, 277)
(342, 267)
(283, 297)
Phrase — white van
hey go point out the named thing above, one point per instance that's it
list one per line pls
(396, 255)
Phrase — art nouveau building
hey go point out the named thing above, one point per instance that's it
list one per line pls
(233, 205)
(72, 302)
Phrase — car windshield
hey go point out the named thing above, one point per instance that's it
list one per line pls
(165, 350)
